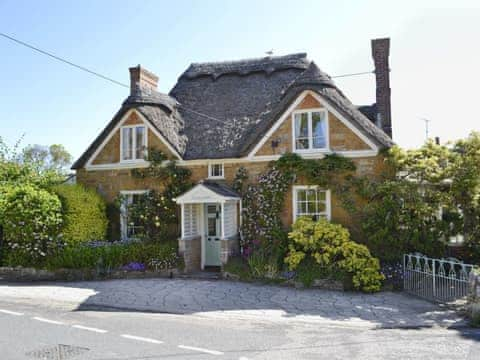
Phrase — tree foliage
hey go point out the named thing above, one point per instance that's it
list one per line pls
(428, 195)
(47, 158)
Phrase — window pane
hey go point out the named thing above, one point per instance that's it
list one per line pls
(301, 208)
(319, 130)
(216, 170)
(212, 226)
(301, 195)
(140, 142)
(134, 228)
(127, 144)
(301, 131)
(312, 207)
(311, 195)
(301, 144)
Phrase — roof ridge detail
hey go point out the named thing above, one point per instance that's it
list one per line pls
(268, 64)
(256, 59)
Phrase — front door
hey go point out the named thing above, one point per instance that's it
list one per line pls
(213, 226)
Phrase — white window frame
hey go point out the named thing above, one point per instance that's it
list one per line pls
(134, 143)
(328, 201)
(310, 131)
(210, 168)
(123, 214)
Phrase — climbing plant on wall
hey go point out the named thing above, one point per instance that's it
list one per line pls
(264, 200)
(156, 211)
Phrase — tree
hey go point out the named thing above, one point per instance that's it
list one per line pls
(46, 158)
(465, 187)
(431, 193)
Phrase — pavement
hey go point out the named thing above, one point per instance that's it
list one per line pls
(226, 300)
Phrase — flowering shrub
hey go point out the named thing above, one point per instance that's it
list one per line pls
(263, 204)
(393, 274)
(31, 219)
(329, 245)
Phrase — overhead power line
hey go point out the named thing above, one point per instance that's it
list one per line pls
(353, 74)
(104, 77)
(62, 60)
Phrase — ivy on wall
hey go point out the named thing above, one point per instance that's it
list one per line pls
(156, 211)
(263, 201)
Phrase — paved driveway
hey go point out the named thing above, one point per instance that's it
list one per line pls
(224, 299)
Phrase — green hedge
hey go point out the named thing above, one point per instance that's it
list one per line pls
(31, 221)
(84, 214)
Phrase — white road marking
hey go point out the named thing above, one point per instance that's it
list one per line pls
(139, 338)
(48, 321)
(242, 358)
(81, 327)
(11, 312)
(211, 352)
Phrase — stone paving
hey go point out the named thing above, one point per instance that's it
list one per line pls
(226, 300)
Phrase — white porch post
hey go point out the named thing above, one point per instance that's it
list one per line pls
(182, 220)
(222, 207)
(240, 215)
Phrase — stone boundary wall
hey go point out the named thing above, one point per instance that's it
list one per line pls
(21, 274)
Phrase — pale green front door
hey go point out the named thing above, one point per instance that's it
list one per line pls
(213, 226)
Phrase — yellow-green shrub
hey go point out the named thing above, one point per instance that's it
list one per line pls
(84, 214)
(330, 246)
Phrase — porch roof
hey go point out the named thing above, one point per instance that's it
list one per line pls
(208, 192)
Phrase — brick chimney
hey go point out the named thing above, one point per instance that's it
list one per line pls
(143, 78)
(380, 54)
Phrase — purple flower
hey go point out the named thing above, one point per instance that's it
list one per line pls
(134, 266)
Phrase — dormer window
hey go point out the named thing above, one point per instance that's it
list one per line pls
(215, 171)
(310, 130)
(133, 142)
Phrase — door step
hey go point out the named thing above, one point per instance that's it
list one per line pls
(202, 275)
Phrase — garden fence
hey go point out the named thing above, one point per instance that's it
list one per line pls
(441, 280)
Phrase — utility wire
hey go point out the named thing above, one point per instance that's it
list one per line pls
(58, 58)
(62, 60)
(353, 74)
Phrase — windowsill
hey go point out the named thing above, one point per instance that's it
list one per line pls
(312, 151)
(134, 161)
(216, 178)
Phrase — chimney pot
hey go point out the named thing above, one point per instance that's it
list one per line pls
(141, 77)
(380, 54)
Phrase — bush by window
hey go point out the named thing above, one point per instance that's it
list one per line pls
(84, 214)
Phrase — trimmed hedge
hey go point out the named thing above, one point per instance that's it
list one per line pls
(84, 214)
(31, 221)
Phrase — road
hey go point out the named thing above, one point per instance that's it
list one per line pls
(30, 331)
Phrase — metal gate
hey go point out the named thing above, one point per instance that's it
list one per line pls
(442, 280)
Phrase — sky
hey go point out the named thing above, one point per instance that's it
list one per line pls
(434, 57)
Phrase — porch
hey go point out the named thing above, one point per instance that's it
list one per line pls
(210, 217)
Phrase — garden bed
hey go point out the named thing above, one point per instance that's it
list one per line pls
(25, 274)
(324, 284)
